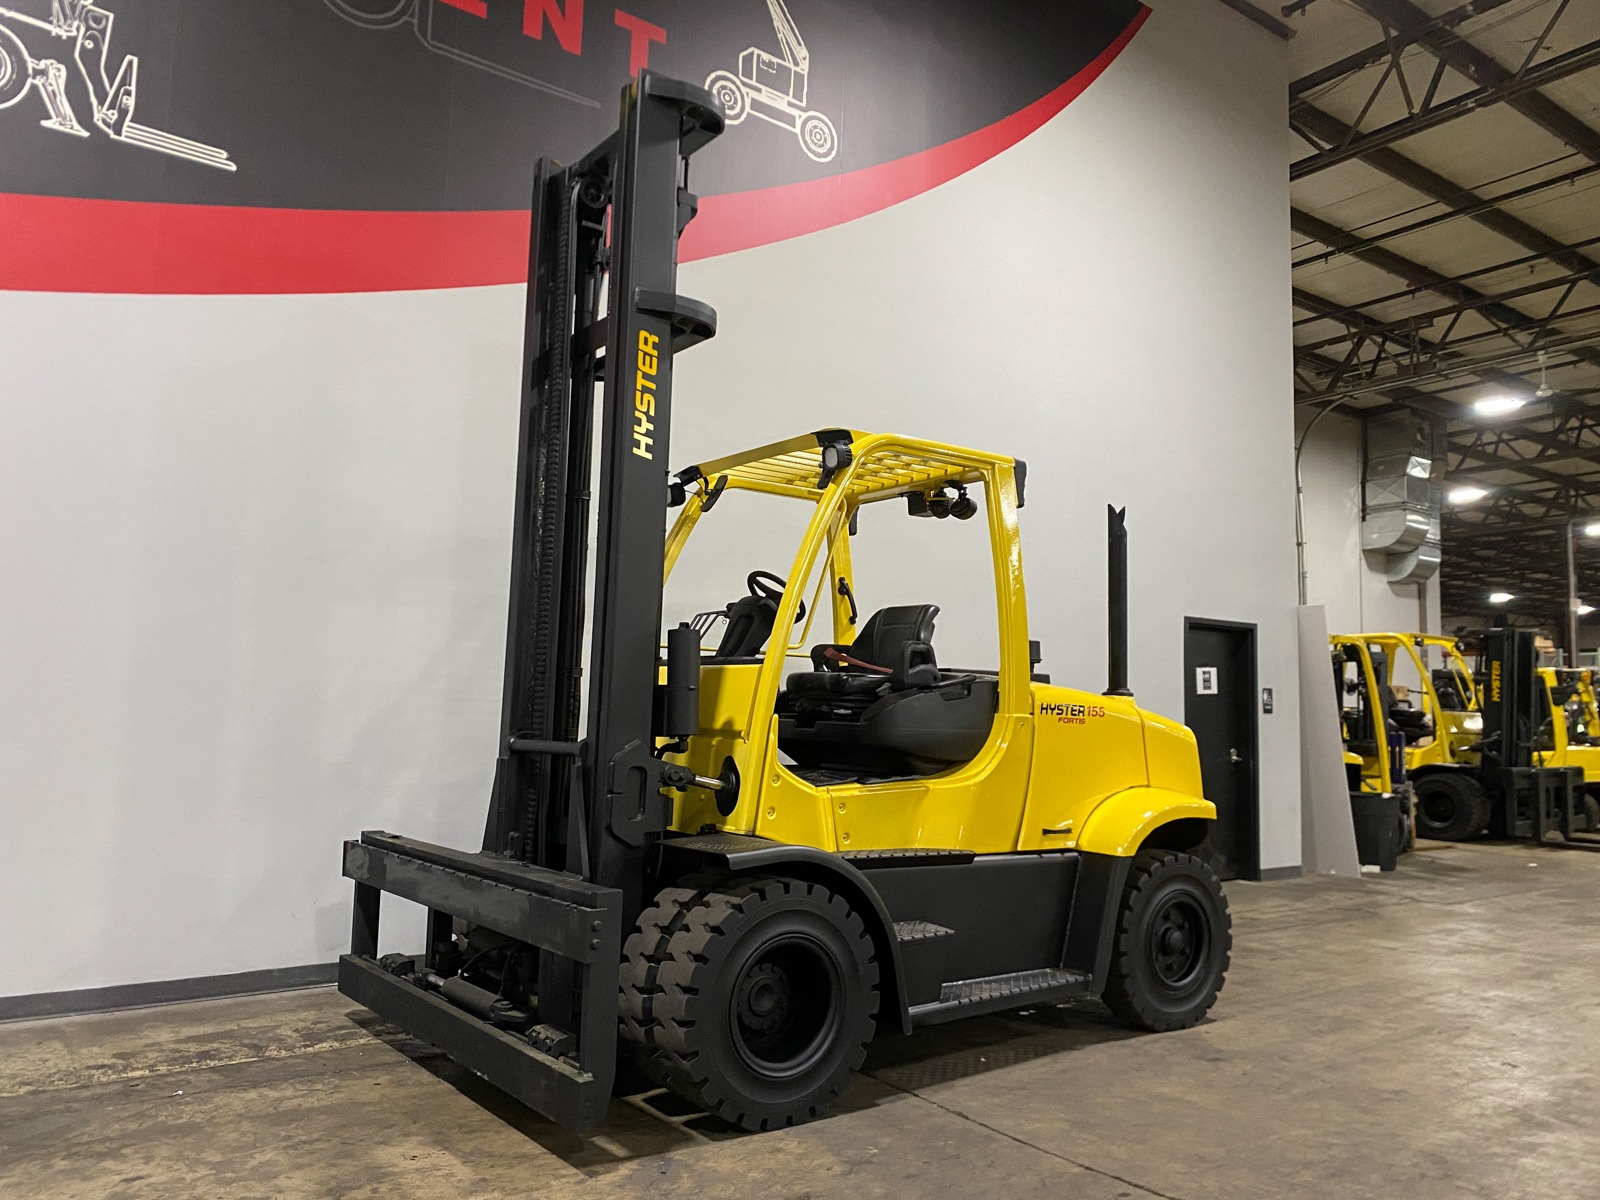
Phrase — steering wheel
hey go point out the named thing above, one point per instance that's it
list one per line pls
(764, 585)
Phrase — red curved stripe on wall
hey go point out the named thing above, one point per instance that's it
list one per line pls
(745, 219)
(64, 244)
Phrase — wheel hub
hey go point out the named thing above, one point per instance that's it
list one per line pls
(764, 998)
(1178, 943)
(785, 1006)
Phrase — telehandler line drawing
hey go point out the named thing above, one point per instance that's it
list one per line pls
(741, 861)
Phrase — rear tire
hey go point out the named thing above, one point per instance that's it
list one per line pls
(1451, 806)
(1173, 939)
(753, 998)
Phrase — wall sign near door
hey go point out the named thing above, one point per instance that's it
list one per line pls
(1266, 700)
(1205, 681)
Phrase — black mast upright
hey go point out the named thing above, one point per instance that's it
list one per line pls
(538, 813)
(570, 822)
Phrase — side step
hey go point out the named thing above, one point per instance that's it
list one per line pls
(919, 931)
(969, 997)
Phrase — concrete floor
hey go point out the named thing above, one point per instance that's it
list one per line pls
(1426, 1034)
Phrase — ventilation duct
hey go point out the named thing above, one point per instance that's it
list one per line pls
(1401, 480)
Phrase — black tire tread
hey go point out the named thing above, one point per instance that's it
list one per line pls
(661, 970)
(1119, 994)
(1469, 792)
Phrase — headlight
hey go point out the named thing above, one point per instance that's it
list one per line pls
(1473, 723)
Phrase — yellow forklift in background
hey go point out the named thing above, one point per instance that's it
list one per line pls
(1571, 737)
(1423, 712)
(742, 858)
(1374, 748)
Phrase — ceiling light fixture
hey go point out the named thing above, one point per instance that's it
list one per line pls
(1497, 406)
(1592, 529)
(1585, 609)
(1501, 597)
(1467, 494)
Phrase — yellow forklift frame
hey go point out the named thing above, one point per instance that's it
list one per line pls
(1455, 732)
(1055, 771)
(1567, 747)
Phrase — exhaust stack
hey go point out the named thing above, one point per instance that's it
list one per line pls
(1117, 601)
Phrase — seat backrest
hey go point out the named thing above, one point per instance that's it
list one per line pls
(888, 630)
(899, 639)
(750, 621)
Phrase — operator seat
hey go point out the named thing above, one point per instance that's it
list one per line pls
(1406, 720)
(1449, 693)
(894, 647)
(881, 706)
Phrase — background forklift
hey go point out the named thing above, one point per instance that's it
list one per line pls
(1481, 766)
(1374, 750)
(1424, 712)
(1570, 736)
(1541, 803)
(757, 866)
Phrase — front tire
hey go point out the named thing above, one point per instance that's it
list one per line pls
(1451, 806)
(1173, 939)
(753, 998)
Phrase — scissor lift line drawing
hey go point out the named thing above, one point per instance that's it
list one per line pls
(86, 28)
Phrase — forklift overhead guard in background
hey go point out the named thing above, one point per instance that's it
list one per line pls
(758, 853)
(1479, 752)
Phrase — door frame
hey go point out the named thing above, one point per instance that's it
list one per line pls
(1250, 803)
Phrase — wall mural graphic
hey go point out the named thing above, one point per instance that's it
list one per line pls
(390, 144)
(86, 28)
(775, 90)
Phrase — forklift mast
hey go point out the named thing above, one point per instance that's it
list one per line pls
(1513, 704)
(590, 807)
(577, 799)
(1544, 804)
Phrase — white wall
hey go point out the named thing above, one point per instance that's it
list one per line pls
(1338, 575)
(255, 548)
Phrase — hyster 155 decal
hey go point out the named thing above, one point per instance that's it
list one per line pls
(86, 28)
(1071, 714)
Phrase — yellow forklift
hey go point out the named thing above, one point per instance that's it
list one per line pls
(1374, 745)
(742, 857)
(1571, 735)
(1423, 711)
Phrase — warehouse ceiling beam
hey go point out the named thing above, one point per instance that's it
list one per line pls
(1416, 400)
(1486, 204)
(1391, 45)
(1431, 113)
(1498, 268)
(1419, 276)
(1264, 19)
(1437, 187)
(1482, 69)
(1412, 357)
